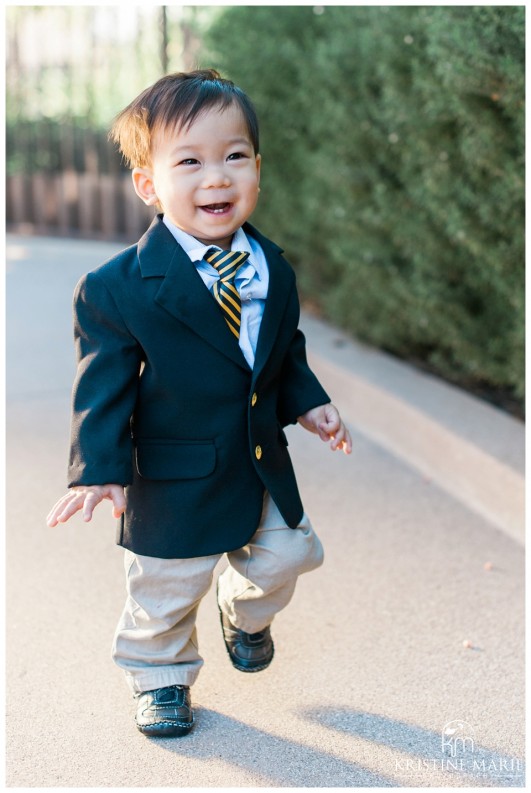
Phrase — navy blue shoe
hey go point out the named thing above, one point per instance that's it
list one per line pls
(248, 652)
(165, 712)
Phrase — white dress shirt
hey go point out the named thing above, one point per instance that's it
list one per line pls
(252, 280)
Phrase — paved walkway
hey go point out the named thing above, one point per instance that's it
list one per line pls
(371, 663)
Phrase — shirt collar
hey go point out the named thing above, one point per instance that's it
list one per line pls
(196, 250)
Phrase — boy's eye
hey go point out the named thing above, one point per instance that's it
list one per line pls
(237, 155)
(189, 161)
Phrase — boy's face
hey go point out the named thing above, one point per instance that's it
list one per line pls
(205, 177)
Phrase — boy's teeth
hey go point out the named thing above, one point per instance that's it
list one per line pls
(216, 207)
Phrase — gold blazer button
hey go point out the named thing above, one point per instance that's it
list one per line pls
(254, 399)
(258, 452)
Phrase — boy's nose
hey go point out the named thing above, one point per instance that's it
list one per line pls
(215, 177)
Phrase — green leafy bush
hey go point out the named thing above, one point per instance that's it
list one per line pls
(393, 146)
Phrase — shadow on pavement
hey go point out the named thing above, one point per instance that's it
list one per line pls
(282, 762)
(285, 762)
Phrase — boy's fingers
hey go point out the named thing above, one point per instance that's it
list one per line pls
(345, 446)
(118, 505)
(330, 428)
(331, 425)
(348, 448)
(117, 495)
(60, 512)
(50, 518)
(71, 507)
(332, 415)
(341, 440)
(347, 443)
(81, 499)
(91, 500)
(327, 430)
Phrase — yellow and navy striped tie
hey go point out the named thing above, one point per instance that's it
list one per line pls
(227, 263)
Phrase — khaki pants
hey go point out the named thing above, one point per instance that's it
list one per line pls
(156, 639)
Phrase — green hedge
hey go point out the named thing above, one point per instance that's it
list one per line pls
(393, 145)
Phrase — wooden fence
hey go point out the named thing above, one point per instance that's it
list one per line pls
(94, 205)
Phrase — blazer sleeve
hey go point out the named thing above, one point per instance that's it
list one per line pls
(105, 388)
(300, 389)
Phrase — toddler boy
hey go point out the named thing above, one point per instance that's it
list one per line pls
(190, 364)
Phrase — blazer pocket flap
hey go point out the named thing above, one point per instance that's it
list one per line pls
(175, 459)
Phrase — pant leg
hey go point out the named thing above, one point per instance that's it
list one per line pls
(156, 641)
(261, 576)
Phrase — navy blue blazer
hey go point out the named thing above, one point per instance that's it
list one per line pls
(165, 403)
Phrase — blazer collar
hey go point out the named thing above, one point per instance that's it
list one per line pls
(157, 246)
(156, 249)
(183, 293)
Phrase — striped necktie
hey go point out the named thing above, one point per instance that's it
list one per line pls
(227, 264)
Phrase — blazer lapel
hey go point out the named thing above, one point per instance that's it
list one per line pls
(182, 292)
(281, 280)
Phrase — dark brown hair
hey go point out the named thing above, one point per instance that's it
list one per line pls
(175, 101)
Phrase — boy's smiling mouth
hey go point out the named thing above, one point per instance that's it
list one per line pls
(217, 209)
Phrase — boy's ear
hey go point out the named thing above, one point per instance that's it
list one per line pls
(258, 163)
(144, 186)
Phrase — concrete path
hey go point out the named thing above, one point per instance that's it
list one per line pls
(371, 664)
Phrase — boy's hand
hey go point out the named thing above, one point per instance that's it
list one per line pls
(86, 498)
(326, 422)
